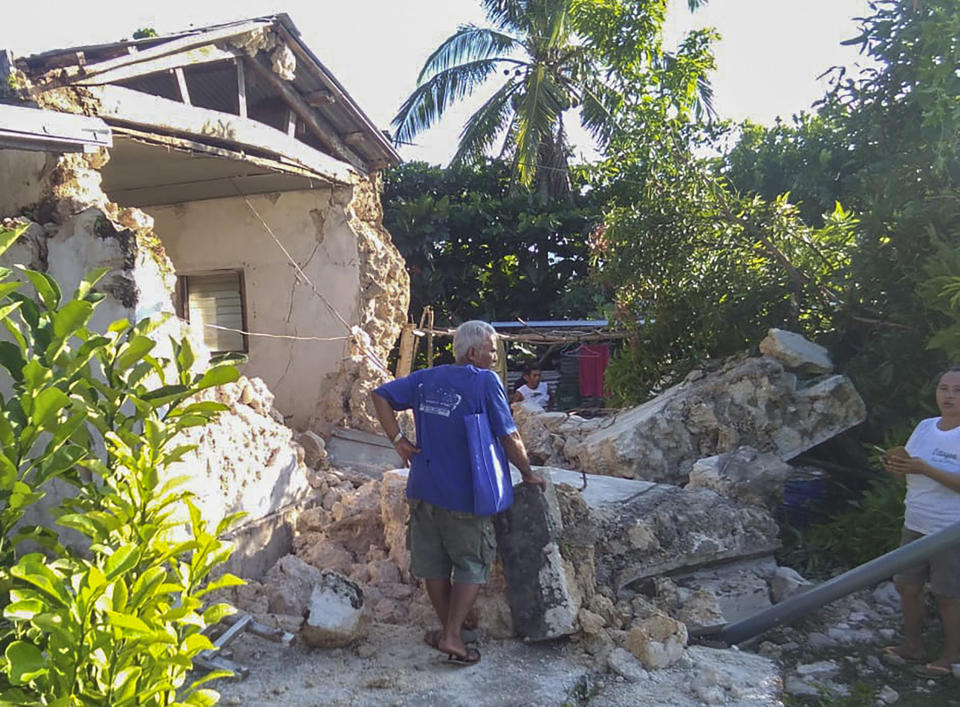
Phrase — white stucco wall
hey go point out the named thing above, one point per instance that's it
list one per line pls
(225, 233)
(21, 175)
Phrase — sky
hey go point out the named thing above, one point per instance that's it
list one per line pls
(768, 59)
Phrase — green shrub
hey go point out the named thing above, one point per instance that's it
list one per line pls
(867, 527)
(119, 622)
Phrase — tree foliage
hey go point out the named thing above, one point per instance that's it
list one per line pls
(550, 57)
(885, 144)
(475, 248)
(119, 622)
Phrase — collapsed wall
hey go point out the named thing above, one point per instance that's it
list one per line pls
(245, 462)
(771, 403)
(383, 300)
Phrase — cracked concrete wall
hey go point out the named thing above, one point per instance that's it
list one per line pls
(248, 459)
(313, 226)
(384, 298)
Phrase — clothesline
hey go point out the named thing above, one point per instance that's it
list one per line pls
(550, 337)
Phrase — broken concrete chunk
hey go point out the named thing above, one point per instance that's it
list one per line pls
(624, 664)
(337, 613)
(658, 641)
(795, 352)
(744, 474)
(700, 610)
(394, 514)
(541, 596)
(785, 582)
(314, 448)
(288, 585)
(747, 402)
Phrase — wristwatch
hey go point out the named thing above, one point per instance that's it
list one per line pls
(398, 437)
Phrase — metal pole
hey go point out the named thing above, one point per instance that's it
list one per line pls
(866, 574)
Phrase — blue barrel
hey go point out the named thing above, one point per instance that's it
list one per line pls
(805, 498)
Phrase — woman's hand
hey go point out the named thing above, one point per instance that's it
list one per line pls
(906, 465)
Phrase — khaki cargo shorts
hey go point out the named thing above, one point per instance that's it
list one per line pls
(942, 570)
(442, 541)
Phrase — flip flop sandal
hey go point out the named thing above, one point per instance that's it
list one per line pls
(892, 656)
(432, 638)
(471, 657)
(932, 671)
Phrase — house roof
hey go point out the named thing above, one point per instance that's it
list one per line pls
(24, 128)
(258, 68)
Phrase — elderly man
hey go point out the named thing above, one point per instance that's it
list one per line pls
(451, 548)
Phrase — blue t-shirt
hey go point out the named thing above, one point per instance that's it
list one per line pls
(440, 397)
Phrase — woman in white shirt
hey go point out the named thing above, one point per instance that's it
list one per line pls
(930, 463)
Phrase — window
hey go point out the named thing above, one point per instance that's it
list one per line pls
(215, 298)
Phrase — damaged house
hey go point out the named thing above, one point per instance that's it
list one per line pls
(239, 192)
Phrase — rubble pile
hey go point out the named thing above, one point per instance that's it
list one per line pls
(771, 403)
(248, 461)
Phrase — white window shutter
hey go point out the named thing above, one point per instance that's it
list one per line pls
(216, 299)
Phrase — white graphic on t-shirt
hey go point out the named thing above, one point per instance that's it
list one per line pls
(439, 401)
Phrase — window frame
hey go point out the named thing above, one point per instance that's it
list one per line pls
(182, 299)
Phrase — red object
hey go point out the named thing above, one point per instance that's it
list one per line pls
(593, 363)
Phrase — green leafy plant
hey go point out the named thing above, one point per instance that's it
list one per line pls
(867, 527)
(118, 620)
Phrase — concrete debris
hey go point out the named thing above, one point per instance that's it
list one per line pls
(314, 449)
(541, 596)
(288, 585)
(658, 641)
(786, 582)
(795, 352)
(741, 587)
(623, 663)
(336, 614)
(743, 474)
(746, 402)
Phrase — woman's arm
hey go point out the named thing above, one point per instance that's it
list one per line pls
(916, 465)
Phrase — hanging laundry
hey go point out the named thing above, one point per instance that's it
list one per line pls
(593, 364)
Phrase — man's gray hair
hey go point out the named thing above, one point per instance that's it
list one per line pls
(471, 335)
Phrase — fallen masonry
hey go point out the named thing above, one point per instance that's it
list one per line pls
(627, 569)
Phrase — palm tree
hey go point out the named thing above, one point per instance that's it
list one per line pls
(547, 69)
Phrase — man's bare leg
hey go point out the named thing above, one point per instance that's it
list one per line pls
(950, 617)
(439, 592)
(461, 599)
(913, 608)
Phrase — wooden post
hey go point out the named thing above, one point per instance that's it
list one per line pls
(405, 361)
(429, 312)
(182, 85)
(241, 88)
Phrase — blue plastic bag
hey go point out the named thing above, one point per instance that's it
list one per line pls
(492, 485)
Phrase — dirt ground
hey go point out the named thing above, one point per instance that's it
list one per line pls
(392, 666)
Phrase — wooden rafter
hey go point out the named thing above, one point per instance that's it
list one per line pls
(314, 122)
(169, 62)
(174, 46)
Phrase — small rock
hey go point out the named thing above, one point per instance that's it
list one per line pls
(314, 448)
(590, 623)
(888, 695)
(626, 665)
(886, 595)
(337, 613)
(657, 641)
(817, 641)
(887, 634)
(786, 582)
(366, 650)
(820, 670)
(796, 352)
(798, 687)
